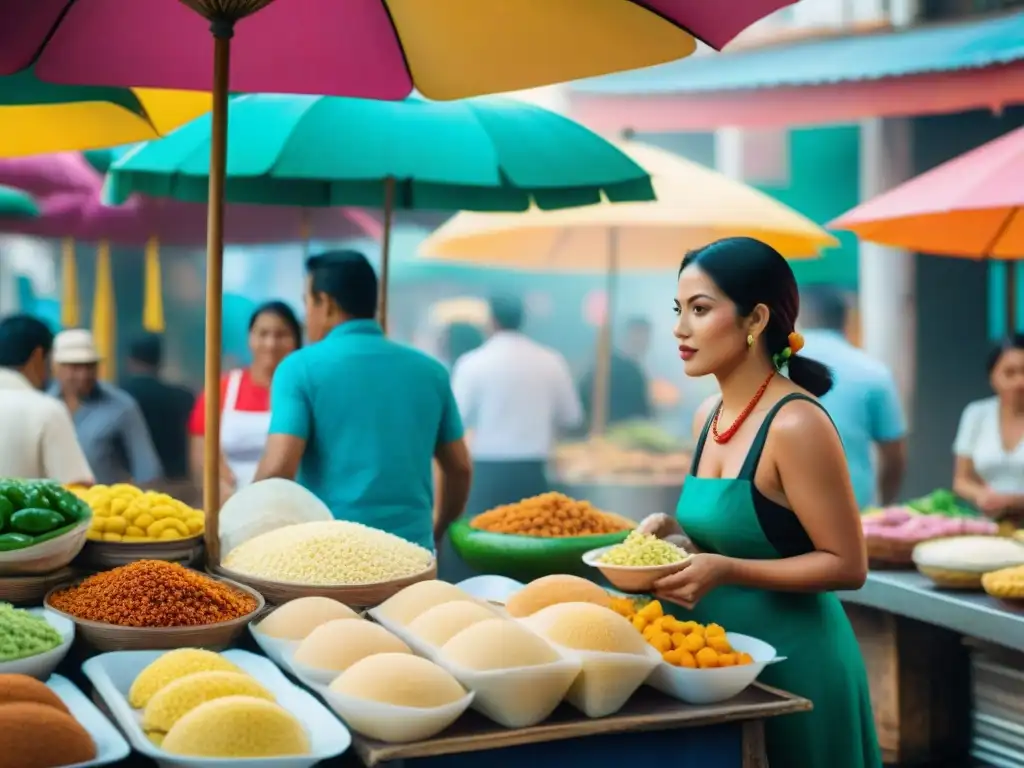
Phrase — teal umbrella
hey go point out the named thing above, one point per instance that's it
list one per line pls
(16, 204)
(482, 154)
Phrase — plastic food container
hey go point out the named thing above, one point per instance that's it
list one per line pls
(630, 578)
(390, 723)
(112, 675)
(110, 744)
(277, 650)
(42, 665)
(709, 686)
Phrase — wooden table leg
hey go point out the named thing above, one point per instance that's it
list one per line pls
(754, 753)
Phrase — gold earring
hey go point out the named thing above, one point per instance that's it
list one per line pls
(750, 339)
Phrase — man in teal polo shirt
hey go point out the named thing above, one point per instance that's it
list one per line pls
(358, 418)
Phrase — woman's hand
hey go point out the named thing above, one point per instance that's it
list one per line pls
(700, 574)
(660, 525)
(993, 504)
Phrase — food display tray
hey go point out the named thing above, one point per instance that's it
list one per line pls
(110, 745)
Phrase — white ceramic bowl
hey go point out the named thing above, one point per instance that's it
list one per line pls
(709, 686)
(42, 665)
(47, 557)
(630, 578)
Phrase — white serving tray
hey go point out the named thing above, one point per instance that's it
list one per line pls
(110, 745)
(112, 675)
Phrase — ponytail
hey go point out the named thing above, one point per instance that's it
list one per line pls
(813, 376)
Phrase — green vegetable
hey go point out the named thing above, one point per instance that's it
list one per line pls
(12, 541)
(16, 494)
(6, 510)
(23, 634)
(941, 502)
(35, 521)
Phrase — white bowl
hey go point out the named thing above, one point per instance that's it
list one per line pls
(277, 650)
(42, 665)
(630, 578)
(709, 686)
(47, 557)
(390, 723)
(493, 589)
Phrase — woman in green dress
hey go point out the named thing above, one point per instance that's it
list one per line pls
(768, 505)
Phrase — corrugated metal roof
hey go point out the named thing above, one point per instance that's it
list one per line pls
(940, 48)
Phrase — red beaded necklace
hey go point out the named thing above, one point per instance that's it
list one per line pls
(726, 436)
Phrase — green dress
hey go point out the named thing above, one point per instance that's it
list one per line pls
(824, 664)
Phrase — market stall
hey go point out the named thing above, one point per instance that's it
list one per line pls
(320, 629)
(944, 594)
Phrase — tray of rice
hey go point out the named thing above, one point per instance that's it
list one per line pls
(33, 641)
(54, 725)
(517, 678)
(156, 605)
(279, 632)
(615, 659)
(352, 563)
(265, 506)
(333, 647)
(536, 537)
(961, 561)
(396, 697)
(192, 708)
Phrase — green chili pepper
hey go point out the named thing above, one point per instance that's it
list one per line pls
(12, 541)
(35, 521)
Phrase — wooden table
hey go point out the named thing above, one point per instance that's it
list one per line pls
(651, 729)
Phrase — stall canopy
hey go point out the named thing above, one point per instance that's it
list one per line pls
(932, 69)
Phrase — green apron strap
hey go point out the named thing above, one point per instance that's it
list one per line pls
(695, 463)
(757, 447)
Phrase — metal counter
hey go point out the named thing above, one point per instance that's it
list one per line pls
(975, 614)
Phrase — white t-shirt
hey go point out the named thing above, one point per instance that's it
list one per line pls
(979, 439)
(39, 440)
(514, 394)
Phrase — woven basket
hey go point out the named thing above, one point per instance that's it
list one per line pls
(352, 595)
(112, 637)
(104, 555)
(951, 579)
(31, 590)
(890, 553)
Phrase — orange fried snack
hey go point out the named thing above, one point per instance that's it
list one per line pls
(550, 515)
(682, 643)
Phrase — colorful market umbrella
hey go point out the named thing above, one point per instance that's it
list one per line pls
(37, 117)
(694, 206)
(969, 207)
(448, 49)
(16, 204)
(487, 153)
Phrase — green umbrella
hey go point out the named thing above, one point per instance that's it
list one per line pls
(483, 154)
(16, 204)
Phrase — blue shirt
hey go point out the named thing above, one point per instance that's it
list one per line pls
(114, 437)
(372, 413)
(863, 402)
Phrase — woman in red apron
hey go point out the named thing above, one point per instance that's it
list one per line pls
(274, 333)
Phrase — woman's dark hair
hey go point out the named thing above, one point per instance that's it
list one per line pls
(750, 272)
(1016, 341)
(282, 312)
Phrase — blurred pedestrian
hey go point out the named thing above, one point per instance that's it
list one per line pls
(864, 402)
(628, 386)
(274, 333)
(108, 421)
(39, 438)
(165, 407)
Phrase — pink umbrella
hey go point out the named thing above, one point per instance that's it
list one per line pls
(45, 175)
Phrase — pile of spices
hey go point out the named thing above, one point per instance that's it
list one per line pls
(153, 593)
(23, 634)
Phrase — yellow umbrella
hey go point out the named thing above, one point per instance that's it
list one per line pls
(695, 206)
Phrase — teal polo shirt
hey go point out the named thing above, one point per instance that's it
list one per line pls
(372, 413)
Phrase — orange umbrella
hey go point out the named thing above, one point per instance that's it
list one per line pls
(969, 207)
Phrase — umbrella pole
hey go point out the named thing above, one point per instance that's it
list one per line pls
(385, 252)
(1011, 298)
(214, 287)
(305, 231)
(602, 370)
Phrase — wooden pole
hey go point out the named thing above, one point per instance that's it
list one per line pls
(385, 252)
(215, 286)
(599, 407)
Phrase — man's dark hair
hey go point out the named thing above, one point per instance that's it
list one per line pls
(147, 349)
(20, 336)
(507, 312)
(346, 277)
(824, 307)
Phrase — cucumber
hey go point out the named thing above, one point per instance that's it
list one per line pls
(35, 521)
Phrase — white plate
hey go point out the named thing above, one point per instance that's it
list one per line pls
(493, 589)
(110, 745)
(709, 686)
(42, 665)
(112, 675)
